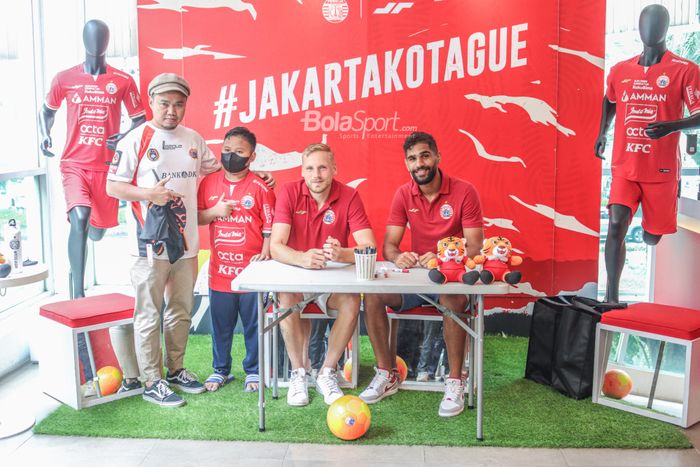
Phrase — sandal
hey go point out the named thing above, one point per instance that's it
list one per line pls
(218, 379)
(251, 379)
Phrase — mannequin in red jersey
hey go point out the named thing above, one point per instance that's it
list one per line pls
(651, 90)
(94, 93)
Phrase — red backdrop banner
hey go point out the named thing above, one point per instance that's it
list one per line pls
(511, 91)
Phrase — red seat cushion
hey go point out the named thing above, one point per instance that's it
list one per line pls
(89, 311)
(310, 309)
(417, 311)
(665, 320)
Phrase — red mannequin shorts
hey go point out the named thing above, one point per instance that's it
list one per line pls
(89, 188)
(659, 202)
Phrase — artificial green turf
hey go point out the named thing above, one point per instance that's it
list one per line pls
(517, 412)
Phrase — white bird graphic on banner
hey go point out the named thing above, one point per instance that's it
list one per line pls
(355, 183)
(180, 53)
(481, 151)
(526, 288)
(268, 159)
(562, 221)
(180, 5)
(537, 109)
(597, 61)
(500, 222)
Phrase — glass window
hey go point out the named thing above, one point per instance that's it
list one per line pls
(17, 89)
(19, 201)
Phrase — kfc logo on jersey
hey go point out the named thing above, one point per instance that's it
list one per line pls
(663, 81)
(111, 88)
(329, 217)
(248, 202)
(335, 11)
(446, 211)
(640, 113)
(152, 154)
(229, 236)
(638, 147)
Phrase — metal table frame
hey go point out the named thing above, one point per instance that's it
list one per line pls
(272, 276)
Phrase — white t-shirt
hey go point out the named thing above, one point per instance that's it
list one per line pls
(181, 154)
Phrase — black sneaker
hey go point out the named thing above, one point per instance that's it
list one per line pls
(161, 394)
(125, 387)
(186, 381)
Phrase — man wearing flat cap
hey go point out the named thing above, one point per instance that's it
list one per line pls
(156, 164)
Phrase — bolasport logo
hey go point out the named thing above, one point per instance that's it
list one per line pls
(357, 125)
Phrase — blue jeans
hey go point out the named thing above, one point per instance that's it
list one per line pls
(224, 308)
(84, 357)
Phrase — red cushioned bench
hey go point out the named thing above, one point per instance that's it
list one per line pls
(61, 323)
(669, 325)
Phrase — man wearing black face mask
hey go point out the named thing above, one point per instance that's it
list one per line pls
(238, 207)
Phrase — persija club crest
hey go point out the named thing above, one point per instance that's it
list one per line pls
(446, 211)
(329, 217)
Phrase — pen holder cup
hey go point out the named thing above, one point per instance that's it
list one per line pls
(364, 266)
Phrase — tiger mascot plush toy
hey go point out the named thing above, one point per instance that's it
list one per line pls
(449, 265)
(496, 258)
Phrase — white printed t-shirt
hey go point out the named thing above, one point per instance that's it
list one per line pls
(181, 154)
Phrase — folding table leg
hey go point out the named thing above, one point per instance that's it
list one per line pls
(480, 369)
(261, 362)
(275, 351)
(472, 370)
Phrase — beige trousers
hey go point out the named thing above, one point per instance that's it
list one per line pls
(122, 338)
(173, 283)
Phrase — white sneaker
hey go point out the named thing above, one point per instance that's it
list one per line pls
(89, 389)
(327, 385)
(422, 377)
(384, 384)
(453, 401)
(298, 393)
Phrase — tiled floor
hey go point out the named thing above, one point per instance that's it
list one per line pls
(26, 449)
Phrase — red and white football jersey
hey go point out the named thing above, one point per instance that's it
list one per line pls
(646, 95)
(94, 110)
(238, 237)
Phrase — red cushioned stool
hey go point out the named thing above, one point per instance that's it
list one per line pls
(310, 311)
(661, 395)
(62, 322)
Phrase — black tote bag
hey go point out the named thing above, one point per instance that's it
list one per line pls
(574, 346)
(546, 315)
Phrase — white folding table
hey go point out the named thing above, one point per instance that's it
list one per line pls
(272, 276)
